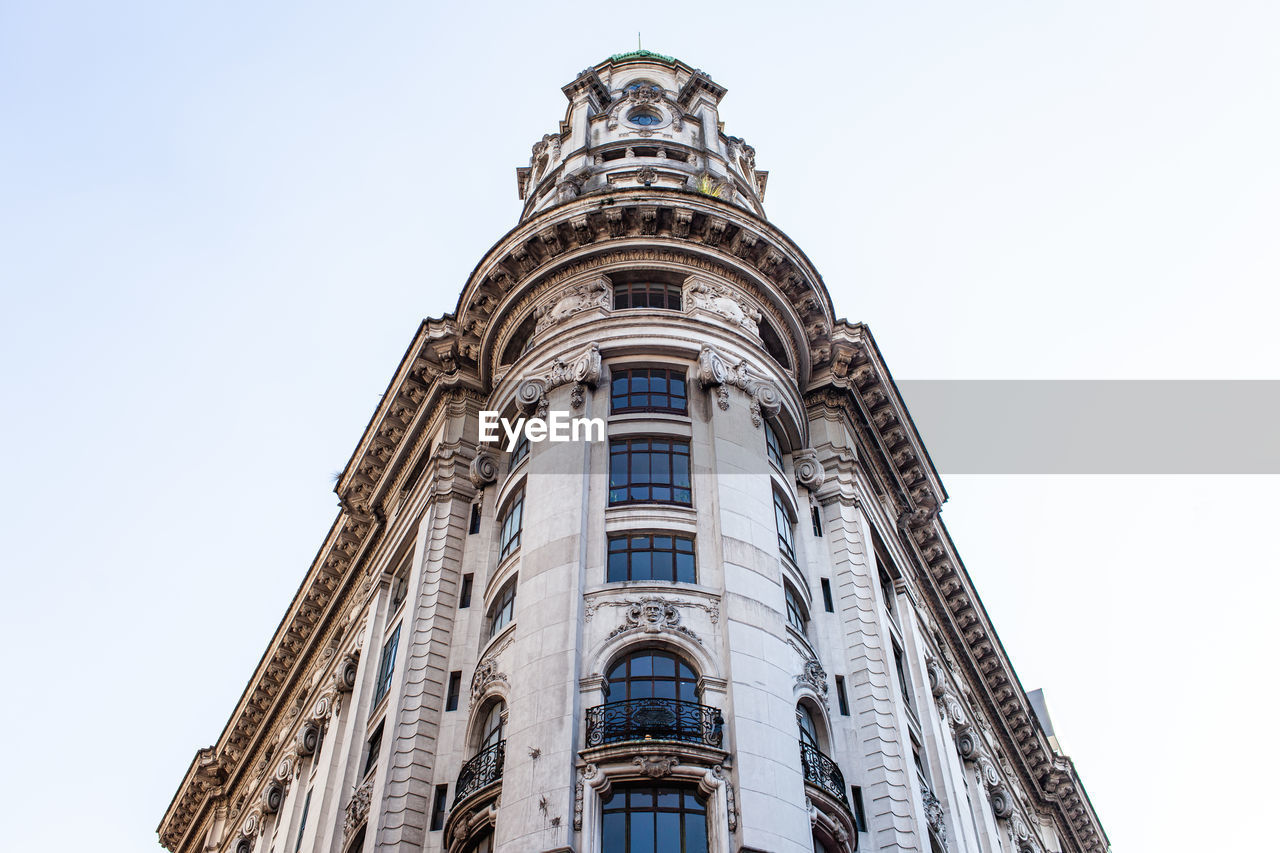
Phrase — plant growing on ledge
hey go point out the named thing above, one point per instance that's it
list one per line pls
(708, 185)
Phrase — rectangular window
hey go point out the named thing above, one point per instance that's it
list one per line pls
(816, 515)
(386, 667)
(438, 807)
(464, 597)
(841, 697)
(826, 596)
(915, 754)
(648, 389)
(795, 610)
(649, 556)
(509, 539)
(641, 294)
(859, 811)
(902, 675)
(455, 687)
(786, 533)
(649, 470)
(474, 527)
(374, 747)
(771, 445)
(302, 824)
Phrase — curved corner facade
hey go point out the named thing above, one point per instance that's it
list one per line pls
(724, 616)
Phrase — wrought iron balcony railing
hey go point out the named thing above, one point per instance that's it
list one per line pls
(654, 719)
(480, 771)
(821, 771)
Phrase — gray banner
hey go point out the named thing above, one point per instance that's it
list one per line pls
(1098, 427)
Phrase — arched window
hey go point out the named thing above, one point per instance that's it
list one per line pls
(646, 817)
(653, 695)
(504, 607)
(651, 673)
(482, 844)
(773, 344)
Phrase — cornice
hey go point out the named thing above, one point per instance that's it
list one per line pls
(857, 381)
(658, 217)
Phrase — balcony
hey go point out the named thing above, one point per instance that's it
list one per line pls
(821, 772)
(654, 719)
(481, 771)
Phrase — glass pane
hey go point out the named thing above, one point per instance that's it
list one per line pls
(684, 569)
(642, 840)
(663, 566)
(664, 666)
(615, 829)
(640, 565)
(641, 664)
(668, 831)
(695, 837)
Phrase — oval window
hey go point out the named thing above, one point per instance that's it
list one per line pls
(644, 118)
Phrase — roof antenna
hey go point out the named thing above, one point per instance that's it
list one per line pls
(638, 45)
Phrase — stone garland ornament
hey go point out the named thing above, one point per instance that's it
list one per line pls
(483, 470)
(715, 372)
(583, 370)
(809, 471)
(358, 808)
(717, 773)
(715, 298)
(933, 813)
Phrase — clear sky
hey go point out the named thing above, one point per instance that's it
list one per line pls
(221, 223)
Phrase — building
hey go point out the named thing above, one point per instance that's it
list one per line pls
(736, 622)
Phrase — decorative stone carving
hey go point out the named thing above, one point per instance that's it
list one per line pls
(485, 675)
(655, 766)
(594, 293)
(652, 614)
(815, 677)
(308, 738)
(1001, 802)
(809, 471)
(358, 808)
(484, 469)
(730, 797)
(933, 814)
(712, 608)
(585, 776)
(704, 295)
(344, 677)
(582, 370)
(715, 372)
(272, 797)
(966, 743)
(252, 824)
(987, 772)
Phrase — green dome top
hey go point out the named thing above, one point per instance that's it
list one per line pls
(642, 54)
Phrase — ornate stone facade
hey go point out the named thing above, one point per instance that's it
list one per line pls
(454, 670)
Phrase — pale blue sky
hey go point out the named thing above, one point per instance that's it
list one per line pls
(221, 224)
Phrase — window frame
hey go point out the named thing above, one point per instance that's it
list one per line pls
(796, 612)
(509, 539)
(387, 666)
(773, 445)
(504, 605)
(668, 374)
(648, 288)
(678, 448)
(629, 537)
(656, 790)
(784, 521)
